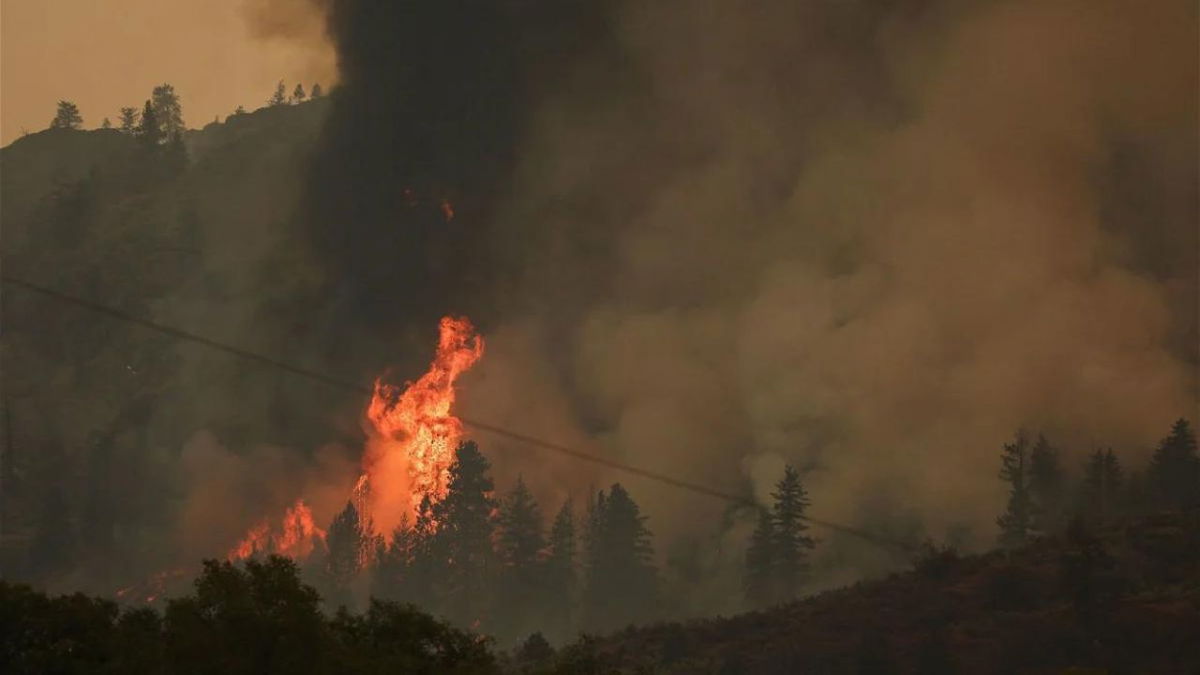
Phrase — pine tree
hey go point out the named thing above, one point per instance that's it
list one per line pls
(1102, 486)
(280, 95)
(1015, 522)
(298, 94)
(622, 583)
(317, 92)
(1045, 487)
(464, 536)
(520, 545)
(67, 116)
(346, 541)
(560, 571)
(129, 120)
(792, 545)
(168, 111)
(149, 130)
(758, 581)
(105, 124)
(1174, 473)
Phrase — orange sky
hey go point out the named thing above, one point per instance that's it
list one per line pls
(105, 54)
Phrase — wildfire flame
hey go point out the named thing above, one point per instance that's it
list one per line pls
(409, 451)
(413, 433)
(296, 537)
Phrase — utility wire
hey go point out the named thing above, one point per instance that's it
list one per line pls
(329, 380)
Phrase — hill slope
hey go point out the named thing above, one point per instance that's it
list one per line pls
(1126, 599)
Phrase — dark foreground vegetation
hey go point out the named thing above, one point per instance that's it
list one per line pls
(259, 618)
(1122, 598)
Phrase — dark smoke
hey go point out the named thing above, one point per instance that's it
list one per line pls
(434, 98)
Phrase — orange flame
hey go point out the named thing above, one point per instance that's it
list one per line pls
(411, 446)
(296, 537)
(413, 433)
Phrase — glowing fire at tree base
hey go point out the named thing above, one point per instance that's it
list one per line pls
(410, 447)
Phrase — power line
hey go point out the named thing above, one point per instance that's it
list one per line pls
(329, 380)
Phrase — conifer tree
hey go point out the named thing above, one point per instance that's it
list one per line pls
(1015, 522)
(346, 541)
(1045, 486)
(791, 544)
(129, 120)
(622, 583)
(149, 130)
(1174, 473)
(105, 124)
(67, 116)
(422, 585)
(758, 581)
(168, 111)
(520, 545)
(560, 571)
(1102, 486)
(464, 536)
(280, 95)
(393, 562)
(298, 94)
(317, 92)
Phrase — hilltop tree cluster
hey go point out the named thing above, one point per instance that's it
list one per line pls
(492, 564)
(1044, 498)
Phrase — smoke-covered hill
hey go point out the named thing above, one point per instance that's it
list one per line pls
(97, 411)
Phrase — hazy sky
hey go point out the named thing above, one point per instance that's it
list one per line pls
(105, 54)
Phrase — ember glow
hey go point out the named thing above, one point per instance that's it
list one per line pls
(413, 434)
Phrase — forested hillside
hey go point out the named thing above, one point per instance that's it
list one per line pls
(190, 231)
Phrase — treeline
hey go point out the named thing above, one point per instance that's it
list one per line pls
(160, 120)
(1044, 496)
(495, 565)
(255, 619)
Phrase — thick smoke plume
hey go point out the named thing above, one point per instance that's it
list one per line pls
(869, 238)
(872, 239)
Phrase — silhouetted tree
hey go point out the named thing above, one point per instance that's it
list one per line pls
(298, 94)
(260, 619)
(758, 581)
(149, 130)
(464, 536)
(240, 110)
(280, 95)
(346, 541)
(129, 120)
(1082, 568)
(105, 124)
(1102, 486)
(67, 116)
(1015, 522)
(622, 583)
(317, 92)
(561, 573)
(1046, 487)
(791, 545)
(168, 111)
(535, 655)
(1174, 473)
(520, 544)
